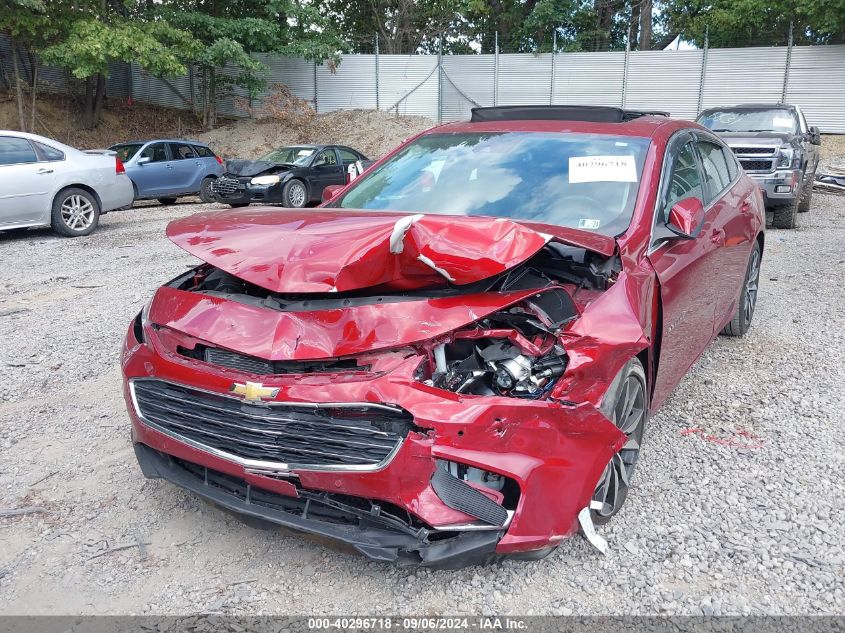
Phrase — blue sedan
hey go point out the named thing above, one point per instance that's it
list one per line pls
(165, 169)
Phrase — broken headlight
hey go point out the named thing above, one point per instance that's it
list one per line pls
(495, 367)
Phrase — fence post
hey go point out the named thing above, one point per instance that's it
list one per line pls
(788, 64)
(552, 82)
(377, 91)
(625, 69)
(703, 68)
(316, 91)
(440, 80)
(496, 70)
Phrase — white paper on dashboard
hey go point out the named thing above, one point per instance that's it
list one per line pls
(602, 169)
(782, 122)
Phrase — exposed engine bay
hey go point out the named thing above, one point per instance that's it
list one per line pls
(515, 352)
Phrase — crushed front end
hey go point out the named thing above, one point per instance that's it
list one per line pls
(427, 426)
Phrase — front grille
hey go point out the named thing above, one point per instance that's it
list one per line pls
(281, 434)
(756, 165)
(756, 151)
(225, 186)
(263, 367)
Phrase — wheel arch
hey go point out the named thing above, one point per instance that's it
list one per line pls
(82, 186)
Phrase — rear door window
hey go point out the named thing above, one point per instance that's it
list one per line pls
(715, 169)
(15, 151)
(181, 151)
(347, 156)
(50, 154)
(730, 159)
(203, 152)
(156, 152)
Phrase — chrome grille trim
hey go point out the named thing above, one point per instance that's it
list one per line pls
(262, 464)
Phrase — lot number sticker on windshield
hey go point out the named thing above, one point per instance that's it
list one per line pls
(602, 169)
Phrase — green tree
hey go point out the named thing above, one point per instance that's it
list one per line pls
(96, 33)
(757, 22)
(25, 22)
(228, 33)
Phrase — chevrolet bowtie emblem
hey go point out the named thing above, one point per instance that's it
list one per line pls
(255, 391)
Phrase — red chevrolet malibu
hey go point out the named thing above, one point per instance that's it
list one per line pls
(454, 359)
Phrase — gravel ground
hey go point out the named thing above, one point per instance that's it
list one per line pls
(737, 505)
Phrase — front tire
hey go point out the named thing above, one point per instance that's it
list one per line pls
(786, 217)
(806, 196)
(294, 194)
(206, 193)
(741, 320)
(76, 212)
(626, 405)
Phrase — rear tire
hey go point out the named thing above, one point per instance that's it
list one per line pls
(166, 201)
(76, 212)
(786, 217)
(741, 320)
(626, 405)
(206, 193)
(295, 194)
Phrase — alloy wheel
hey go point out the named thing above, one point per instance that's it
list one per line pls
(296, 195)
(751, 283)
(629, 415)
(77, 212)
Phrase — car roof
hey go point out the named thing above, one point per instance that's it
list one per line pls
(41, 139)
(645, 127)
(752, 106)
(161, 140)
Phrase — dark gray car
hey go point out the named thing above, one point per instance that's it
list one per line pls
(777, 148)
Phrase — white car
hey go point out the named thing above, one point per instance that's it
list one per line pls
(46, 183)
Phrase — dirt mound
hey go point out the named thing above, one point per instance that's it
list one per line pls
(58, 117)
(369, 131)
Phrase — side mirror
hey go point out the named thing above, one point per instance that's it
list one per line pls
(686, 218)
(330, 192)
(815, 135)
(143, 160)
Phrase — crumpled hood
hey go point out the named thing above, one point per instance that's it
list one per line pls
(295, 251)
(241, 167)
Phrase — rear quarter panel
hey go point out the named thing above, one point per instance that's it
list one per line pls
(96, 172)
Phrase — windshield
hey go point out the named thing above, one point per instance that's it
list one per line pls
(289, 155)
(764, 120)
(126, 151)
(584, 181)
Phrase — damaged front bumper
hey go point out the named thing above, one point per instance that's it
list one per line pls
(321, 515)
(405, 508)
(238, 190)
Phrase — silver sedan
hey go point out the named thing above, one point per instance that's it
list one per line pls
(46, 183)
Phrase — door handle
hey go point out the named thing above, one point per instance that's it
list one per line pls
(169, 166)
(718, 236)
(44, 171)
